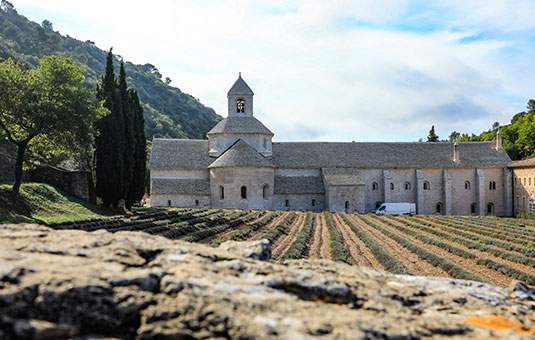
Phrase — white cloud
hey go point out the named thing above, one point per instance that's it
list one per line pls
(342, 70)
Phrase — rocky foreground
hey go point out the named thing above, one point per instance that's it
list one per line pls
(128, 285)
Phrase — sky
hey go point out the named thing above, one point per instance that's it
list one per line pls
(356, 70)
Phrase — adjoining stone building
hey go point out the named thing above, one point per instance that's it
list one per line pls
(524, 186)
(239, 166)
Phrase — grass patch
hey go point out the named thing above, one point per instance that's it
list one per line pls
(44, 204)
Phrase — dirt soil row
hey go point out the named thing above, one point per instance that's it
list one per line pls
(257, 235)
(359, 253)
(318, 245)
(478, 253)
(411, 261)
(483, 272)
(285, 241)
(470, 228)
(229, 231)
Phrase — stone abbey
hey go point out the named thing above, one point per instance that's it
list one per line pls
(240, 167)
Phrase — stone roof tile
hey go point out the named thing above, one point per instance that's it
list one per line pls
(180, 186)
(386, 155)
(241, 154)
(523, 163)
(240, 125)
(298, 185)
(240, 87)
(342, 176)
(179, 154)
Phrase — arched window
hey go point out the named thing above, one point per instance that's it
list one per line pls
(523, 202)
(378, 204)
(196, 203)
(490, 208)
(531, 205)
(265, 191)
(492, 185)
(240, 106)
(375, 186)
(287, 203)
(168, 203)
(467, 185)
(313, 202)
(347, 206)
(472, 208)
(265, 143)
(391, 186)
(427, 186)
(407, 186)
(524, 181)
(221, 193)
(439, 208)
(243, 192)
(515, 183)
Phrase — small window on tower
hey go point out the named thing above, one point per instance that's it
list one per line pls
(240, 106)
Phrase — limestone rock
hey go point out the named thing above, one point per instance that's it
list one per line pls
(258, 250)
(72, 284)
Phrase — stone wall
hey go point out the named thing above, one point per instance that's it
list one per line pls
(302, 202)
(453, 190)
(158, 200)
(524, 189)
(232, 179)
(76, 183)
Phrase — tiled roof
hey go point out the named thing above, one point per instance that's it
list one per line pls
(241, 154)
(240, 125)
(342, 176)
(180, 186)
(240, 87)
(179, 154)
(523, 163)
(184, 153)
(298, 185)
(386, 155)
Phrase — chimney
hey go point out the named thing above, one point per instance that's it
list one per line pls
(456, 153)
(499, 140)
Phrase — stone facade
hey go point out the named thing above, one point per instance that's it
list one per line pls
(524, 186)
(240, 167)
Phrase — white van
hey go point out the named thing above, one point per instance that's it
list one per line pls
(397, 208)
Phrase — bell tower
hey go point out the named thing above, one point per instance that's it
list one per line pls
(240, 99)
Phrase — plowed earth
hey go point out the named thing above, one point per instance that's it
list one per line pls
(319, 246)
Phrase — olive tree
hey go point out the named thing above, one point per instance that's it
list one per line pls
(47, 107)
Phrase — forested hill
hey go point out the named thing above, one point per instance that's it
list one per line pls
(169, 112)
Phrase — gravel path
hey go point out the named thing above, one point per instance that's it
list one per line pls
(411, 261)
(285, 241)
(469, 265)
(359, 254)
(319, 248)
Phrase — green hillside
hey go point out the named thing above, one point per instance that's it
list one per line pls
(42, 203)
(169, 112)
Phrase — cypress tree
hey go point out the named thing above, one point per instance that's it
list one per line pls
(432, 137)
(137, 186)
(127, 114)
(110, 142)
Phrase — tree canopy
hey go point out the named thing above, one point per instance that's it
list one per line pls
(168, 112)
(121, 146)
(518, 137)
(47, 108)
(432, 137)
